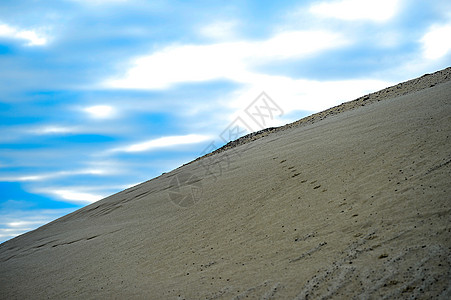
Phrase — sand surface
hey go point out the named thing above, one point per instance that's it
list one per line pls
(355, 204)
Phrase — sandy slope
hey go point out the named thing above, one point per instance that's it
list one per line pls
(353, 205)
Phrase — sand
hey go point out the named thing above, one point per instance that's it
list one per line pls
(354, 204)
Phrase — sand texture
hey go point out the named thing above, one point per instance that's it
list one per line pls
(354, 202)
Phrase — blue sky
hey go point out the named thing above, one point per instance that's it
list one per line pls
(99, 95)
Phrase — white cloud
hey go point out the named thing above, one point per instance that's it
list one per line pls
(54, 129)
(21, 132)
(29, 36)
(55, 175)
(17, 222)
(233, 61)
(74, 196)
(70, 194)
(437, 42)
(221, 30)
(163, 142)
(100, 111)
(351, 10)
(25, 178)
(22, 223)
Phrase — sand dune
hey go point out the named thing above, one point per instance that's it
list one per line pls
(351, 202)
